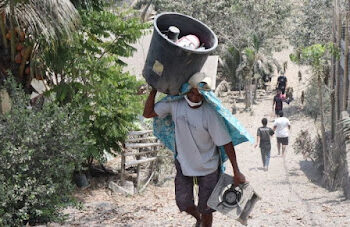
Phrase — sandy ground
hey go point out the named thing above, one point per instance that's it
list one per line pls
(291, 191)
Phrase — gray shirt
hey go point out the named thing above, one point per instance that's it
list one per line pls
(198, 132)
(265, 133)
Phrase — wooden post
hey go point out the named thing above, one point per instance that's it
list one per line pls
(143, 147)
(122, 175)
(153, 164)
(138, 178)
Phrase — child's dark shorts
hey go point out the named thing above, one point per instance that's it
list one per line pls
(282, 140)
(184, 190)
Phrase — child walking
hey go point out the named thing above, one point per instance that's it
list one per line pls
(263, 139)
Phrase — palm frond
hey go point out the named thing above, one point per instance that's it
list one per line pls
(269, 67)
(277, 64)
(232, 59)
(250, 55)
(346, 128)
(256, 43)
(43, 18)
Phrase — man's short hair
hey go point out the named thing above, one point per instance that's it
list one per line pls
(264, 121)
(280, 113)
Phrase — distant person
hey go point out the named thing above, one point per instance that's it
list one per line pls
(288, 96)
(281, 126)
(302, 97)
(277, 104)
(263, 139)
(282, 83)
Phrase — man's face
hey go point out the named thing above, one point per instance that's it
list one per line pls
(194, 96)
(279, 92)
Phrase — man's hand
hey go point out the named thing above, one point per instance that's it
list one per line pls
(142, 89)
(238, 178)
(148, 111)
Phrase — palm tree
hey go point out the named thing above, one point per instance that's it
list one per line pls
(28, 25)
(232, 59)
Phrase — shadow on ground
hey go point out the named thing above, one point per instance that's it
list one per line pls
(292, 111)
(311, 172)
(307, 205)
(256, 169)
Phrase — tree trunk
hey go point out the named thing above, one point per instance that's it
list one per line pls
(25, 58)
(346, 64)
(323, 131)
(255, 87)
(3, 30)
(246, 91)
(333, 73)
(333, 109)
(144, 12)
(331, 84)
(12, 31)
(253, 94)
(337, 66)
(247, 88)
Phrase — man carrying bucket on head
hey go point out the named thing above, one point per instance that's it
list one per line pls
(202, 134)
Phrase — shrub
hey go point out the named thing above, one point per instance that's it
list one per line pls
(310, 148)
(39, 150)
(312, 107)
(164, 167)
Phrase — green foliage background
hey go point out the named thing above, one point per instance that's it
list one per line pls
(312, 107)
(311, 23)
(93, 79)
(91, 106)
(318, 57)
(39, 150)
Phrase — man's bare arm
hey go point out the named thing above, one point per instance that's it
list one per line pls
(239, 178)
(148, 111)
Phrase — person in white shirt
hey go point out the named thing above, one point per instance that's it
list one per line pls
(281, 126)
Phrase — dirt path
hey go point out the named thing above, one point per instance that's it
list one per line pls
(290, 190)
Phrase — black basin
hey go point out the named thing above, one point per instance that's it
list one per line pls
(168, 65)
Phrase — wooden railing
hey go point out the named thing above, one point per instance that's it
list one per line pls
(144, 147)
